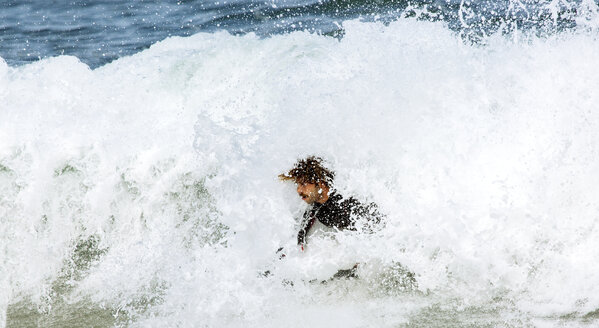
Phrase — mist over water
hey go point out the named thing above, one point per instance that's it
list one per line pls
(143, 193)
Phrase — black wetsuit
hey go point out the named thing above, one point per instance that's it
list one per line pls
(338, 213)
(342, 214)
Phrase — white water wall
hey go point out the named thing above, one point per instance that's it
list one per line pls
(484, 159)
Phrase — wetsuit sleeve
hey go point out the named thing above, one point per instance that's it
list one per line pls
(370, 213)
(340, 216)
(350, 211)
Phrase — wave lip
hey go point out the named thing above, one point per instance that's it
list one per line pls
(99, 32)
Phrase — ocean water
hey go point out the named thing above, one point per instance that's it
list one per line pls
(140, 144)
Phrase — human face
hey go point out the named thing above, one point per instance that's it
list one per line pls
(310, 192)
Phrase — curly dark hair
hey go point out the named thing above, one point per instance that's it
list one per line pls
(309, 170)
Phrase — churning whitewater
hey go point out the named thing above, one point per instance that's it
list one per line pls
(144, 193)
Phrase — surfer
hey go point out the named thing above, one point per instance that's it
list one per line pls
(328, 211)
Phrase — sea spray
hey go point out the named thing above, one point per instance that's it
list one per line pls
(144, 192)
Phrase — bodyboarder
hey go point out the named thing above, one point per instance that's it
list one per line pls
(328, 209)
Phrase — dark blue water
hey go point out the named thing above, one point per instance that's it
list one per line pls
(100, 31)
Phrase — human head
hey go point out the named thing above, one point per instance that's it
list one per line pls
(312, 178)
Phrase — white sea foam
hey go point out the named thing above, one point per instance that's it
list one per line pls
(484, 159)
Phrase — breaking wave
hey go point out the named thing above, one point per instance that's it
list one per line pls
(144, 192)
